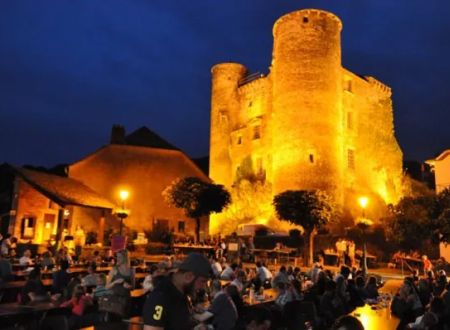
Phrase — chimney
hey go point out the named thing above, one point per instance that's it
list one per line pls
(117, 134)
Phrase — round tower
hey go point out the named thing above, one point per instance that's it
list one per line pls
(306, 118)
(224, 118)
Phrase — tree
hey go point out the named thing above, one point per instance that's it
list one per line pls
(309, 209)
(411, 222)
(197, 198)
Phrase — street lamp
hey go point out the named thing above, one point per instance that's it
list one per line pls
(364, 224)
(123, 213)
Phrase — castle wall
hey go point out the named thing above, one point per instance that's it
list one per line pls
(320, 125)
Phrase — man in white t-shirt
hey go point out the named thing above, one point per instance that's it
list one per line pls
(262, 272)
(25, 260)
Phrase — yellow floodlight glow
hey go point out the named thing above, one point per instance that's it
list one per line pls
(124, 194)
(363, 201)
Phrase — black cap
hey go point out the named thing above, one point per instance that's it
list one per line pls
(196, 263)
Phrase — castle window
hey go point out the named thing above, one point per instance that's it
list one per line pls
(181, 226)
(350, 120)
(305, 19)
(348, 85)
(351, 159)
(259, 166)
(256, 132)
(239, 140)
(311, 158)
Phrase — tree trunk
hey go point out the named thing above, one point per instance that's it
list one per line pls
(197, 230)
(309, 247)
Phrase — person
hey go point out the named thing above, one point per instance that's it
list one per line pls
(47, 262)
(6, 245)
(280, 277)
(427, 265)
(283, 295)
(5, 269)
(34, 289)
(348, 322)
(262, 272)
(78, 304)
(167, 306)
(372, 288)
(259, 318)
(90, 279)
(228, 272)
(223, 308)
(26, 260)
(216, 267)
(121, 274)
(316, 269)
(61, 278)
(100, 289)
(240, 280)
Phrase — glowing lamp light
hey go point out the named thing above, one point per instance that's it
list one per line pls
(124, 195)
(363, 201)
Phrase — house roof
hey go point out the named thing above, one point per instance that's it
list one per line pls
(144, 137)
(440, 157)
(64, 191)
(144, 156)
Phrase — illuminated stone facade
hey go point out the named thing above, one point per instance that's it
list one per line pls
(308, 124)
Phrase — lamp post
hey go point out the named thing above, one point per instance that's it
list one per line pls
(122, 214)
(363, 224)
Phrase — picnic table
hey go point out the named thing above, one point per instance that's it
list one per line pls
(378, 316)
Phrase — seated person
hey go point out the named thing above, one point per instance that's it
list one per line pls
(283, 295)
(258, 318)
(47, 262)
(372, 288)
(228, 272)
(91, 278)
(78, 304)
(225, 314)
(61, 278)
(100, 289)
(34, 289)
(5, 269)
(26, 260)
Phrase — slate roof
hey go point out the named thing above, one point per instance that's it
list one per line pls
(64, 191)
(144, 137)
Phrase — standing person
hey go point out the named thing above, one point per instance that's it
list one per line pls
(61, 278)
(427, 265)
(121, 274)
(167, 306)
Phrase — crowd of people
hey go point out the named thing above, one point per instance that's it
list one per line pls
(423, 302)
(216, 291)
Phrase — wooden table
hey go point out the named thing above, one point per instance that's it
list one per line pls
(379, 316)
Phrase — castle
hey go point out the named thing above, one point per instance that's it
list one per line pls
(308, 124)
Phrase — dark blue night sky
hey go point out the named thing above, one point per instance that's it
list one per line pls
(71, 69)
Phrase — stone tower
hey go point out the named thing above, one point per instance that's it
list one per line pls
(306, 80)
(309, 124)
(224, 117)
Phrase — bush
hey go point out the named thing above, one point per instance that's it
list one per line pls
(91, 237)
(294, 233)
(261, 232)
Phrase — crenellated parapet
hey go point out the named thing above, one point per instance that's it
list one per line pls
(378, 85)
(316, 18)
